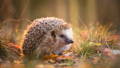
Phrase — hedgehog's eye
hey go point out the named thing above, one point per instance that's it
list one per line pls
(62, 36)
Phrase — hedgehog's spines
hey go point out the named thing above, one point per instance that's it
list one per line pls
(38, 39)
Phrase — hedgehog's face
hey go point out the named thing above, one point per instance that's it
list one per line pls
(67, 36)
(64, 39)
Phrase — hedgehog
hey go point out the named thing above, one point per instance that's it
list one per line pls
(45, 36)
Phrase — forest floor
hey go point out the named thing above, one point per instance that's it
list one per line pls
(98, 56)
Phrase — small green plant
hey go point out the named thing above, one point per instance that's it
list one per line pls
(86, 49)
(91, 38)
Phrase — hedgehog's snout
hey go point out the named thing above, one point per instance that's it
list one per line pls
(68, 41)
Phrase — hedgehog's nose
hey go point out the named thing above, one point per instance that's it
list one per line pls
(69, 41)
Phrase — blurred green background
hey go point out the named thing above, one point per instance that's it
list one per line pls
(15, 15)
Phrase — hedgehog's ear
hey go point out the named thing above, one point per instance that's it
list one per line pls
(53, 34)
(66, 26)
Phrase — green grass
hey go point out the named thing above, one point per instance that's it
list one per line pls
(91, 38)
